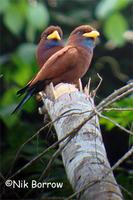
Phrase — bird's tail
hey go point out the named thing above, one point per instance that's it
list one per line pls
(24, 100)
(23, 90)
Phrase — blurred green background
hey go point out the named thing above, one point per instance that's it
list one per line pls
(21, 23)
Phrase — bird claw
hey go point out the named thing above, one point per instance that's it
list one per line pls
(80, 85)
(87, 88)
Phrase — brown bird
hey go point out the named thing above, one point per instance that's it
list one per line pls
(50, 43)
(67, 65)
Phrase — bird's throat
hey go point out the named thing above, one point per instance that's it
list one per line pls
(88, 43)
(53, 43)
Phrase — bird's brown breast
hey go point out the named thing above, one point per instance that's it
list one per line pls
(67, 65)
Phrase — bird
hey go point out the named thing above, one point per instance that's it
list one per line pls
(50, 42)
(67, 65)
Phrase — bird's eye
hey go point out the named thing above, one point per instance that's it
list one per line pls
(79, 33)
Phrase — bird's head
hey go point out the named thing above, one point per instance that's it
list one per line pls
(83, 35)
(52, 35)
(50, 43)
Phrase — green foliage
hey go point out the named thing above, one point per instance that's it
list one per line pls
(34, 16)
(4, 5)
(126, 180)
(114, 23)
(13, 14)
(26, 52)
(118, 24)
(124, 118)
(106, 7)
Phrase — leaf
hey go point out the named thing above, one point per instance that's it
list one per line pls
(8, 97)
(109, 126)
(7, 105)
(115, 27)
(27, 52)
(119, 116)
(13, 19)
(30, 33)
(106, 7)
(37, 16)
(23, 64)
(30, 105)
(4, 5)
(22, 75)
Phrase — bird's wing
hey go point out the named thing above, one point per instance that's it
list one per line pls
(57, 64)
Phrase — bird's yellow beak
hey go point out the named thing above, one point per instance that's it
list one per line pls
(92, 34)
(54, 35)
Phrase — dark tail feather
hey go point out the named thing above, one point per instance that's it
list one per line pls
(24, 100)
(23, 90)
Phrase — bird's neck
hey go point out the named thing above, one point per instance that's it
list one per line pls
(53, 43)
(86, 43)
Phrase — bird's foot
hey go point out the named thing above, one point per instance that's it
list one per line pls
(87, 88)
(80, 85)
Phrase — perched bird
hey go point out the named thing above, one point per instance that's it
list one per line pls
(67, 65)
(50, 43)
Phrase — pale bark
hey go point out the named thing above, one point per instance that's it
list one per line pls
(84, 157)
